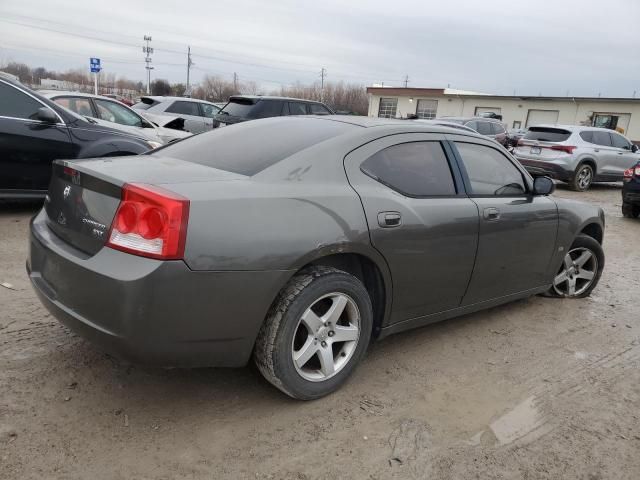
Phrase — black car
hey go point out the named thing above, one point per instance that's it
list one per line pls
(631, 192)
(241, 108)
(34, 132)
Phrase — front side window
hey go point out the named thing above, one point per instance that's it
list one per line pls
(317, 109)
(116, 113)
(489, 171)
(81, 106)
(427, 109)
(388, 107)
(484, 128)
(16, 104)
(620, 142)
(184, 108)
(415, 169)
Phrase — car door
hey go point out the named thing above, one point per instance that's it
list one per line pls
(517, 234)
(419, 219)
(28, 146)
(606, 155)
(193, 119)
(625, 158)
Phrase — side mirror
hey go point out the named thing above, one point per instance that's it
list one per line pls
(46, 115)
(635, 148)
(543, 186)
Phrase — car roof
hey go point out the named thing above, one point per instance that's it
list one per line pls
(467, 119)
(272, 97)
(68, 93)
(160, 98)
(572, 128)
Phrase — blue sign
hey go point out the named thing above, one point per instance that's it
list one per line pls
(94, 65)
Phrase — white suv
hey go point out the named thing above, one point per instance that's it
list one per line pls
(576, 155)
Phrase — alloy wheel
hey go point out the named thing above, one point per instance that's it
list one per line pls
(585, 176)
(576, 273)
(326, 337)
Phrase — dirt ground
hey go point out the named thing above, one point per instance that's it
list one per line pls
(538, 389)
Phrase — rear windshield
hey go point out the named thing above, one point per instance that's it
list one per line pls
(249, 147)
(238, 108)
(547, 134)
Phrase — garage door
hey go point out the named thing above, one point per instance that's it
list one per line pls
(481, 110)
(537, 117)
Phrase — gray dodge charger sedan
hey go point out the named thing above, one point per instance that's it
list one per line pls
(298, 240)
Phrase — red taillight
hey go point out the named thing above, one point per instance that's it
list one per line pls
(564, 148)
(151, 222)
(628, 173)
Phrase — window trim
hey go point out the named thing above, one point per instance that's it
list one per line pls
(60, 123)
(455, 175)
(527, 180)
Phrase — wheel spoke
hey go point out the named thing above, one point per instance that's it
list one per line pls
(586, 274)
(561, 277)
(572, 286)
(311, 320)
(306, 352)
(345, 334)
(336, 309)
(568, 262)
(326, 360)
(583, 258)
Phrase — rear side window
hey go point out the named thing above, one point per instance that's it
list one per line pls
(587, 136)
(184, 108)
(266, 109)
(484, 128)
(489, 171)
(17, 104)
(601, 138)
(317, 109)
(547, 134)
(271, 141)
(415, 169)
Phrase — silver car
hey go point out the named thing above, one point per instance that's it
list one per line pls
(575, 154)
(198, 114)
(111, 113)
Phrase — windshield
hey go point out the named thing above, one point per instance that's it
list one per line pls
(547, 134)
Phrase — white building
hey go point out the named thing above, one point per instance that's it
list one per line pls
(622, 114)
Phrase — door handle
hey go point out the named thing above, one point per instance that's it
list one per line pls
(389, 219)
(596, 149)
(491, 214)
(620, 153)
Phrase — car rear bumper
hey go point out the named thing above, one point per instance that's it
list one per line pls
(150, 311)
(537, 167)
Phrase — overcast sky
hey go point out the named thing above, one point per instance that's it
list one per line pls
(531, 47)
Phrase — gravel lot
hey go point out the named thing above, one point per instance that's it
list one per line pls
(541, 388)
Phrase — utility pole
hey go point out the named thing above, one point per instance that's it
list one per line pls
(235, 82)
(147, 50)
(190, 64)
(323, 73)
(406, 81)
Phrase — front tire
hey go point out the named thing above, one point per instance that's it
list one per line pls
(580, 270)
(315, 334)
(582, 178)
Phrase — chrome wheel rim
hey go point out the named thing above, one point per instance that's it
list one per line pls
(326, 337)
(584, 177)
(577, 272)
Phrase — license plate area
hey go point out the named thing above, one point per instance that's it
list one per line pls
(536, 150)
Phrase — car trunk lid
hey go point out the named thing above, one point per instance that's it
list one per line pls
(84, 195)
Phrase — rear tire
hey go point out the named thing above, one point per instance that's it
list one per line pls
(315, 334)
(580, 270)
(630, 211)
(582, 178)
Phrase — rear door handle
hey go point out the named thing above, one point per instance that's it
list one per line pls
(491, 214)
(389, 219)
